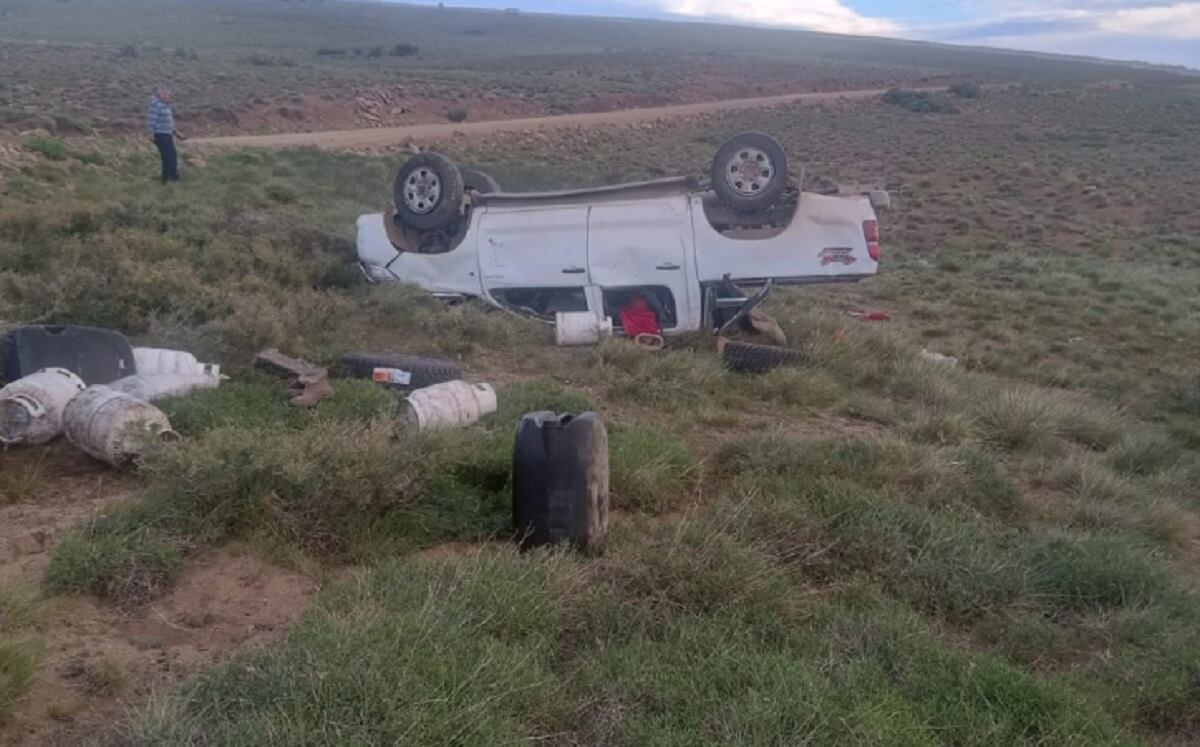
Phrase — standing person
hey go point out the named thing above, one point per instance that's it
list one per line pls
(160, 121)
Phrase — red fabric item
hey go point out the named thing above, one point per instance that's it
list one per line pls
(638, 318)
(872, 316)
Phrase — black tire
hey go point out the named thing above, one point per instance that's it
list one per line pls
(422, 372)
(428, 192)
(736, 186)
(749, 358)
(475, 180)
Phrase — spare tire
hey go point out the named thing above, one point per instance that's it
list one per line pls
(750, 172)
(749, 358)
(475, 180)
(400, 371)
(428, 192)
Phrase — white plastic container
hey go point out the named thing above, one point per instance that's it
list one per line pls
(580, 328)
(31, 409)
(154, 361)
(450, 404)
(114, 427)
(153, 387)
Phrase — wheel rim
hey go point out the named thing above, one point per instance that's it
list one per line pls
(749, 172)
(422, 191)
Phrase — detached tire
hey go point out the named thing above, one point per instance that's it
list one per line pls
(428, 192)
(750, 172)
(749, 358)
(422, 372)
(481, 182)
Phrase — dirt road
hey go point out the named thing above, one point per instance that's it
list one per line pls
(386, 136)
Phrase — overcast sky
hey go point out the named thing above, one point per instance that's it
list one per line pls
(1151, 30)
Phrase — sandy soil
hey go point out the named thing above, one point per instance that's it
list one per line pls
(390, 136)
(99, 662)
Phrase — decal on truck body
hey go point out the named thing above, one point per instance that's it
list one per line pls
(842, 255)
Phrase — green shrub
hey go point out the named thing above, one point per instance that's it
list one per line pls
(672, 380)
(1096, 573)
(457, 115)
(919, 102)
(413, 652)
(651, 469)
(404, 49)
(48, 147)
(1182, 396)
(1017, 419)
(258, 401)
(115, 560)
(966, 90)
(1142, 454)
(20, 646)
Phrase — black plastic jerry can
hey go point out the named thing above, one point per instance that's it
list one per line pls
(560, 481)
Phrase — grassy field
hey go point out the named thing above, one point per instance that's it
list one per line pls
(875, 549)
(260, 65)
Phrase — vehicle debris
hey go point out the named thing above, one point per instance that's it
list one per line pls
(871, 316)
(561, 481)
(653, 343)
(449, 404)
(676, 241)
(98, 356)
(396, 371)
(113, 427)
(576, 328)
(31, 408)
(152, 361)
(946, 360)
(764, 325)
(749, 358)
(308, 381)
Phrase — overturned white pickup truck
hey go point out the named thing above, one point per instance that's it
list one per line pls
(685, 245)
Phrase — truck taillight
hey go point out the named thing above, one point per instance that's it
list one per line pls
(871, 234)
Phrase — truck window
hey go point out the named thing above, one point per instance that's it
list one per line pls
(659, 297)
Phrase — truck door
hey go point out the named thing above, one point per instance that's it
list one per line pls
(534, 248)
(645, 245)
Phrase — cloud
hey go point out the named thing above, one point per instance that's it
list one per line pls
(1180, 20)
(1164, 32)
(816, 15)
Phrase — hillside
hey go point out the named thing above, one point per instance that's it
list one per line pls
(246, 67)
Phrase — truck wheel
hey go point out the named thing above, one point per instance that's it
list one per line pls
(748, 358)
(428, 192)
(475, 180)
(400, 371)
(750, 172)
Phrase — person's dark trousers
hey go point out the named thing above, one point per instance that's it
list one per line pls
(170, 159)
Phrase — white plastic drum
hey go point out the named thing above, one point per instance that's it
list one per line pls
(153, 361)
(114, 427)
(580, 328)
(453, 403)
(31, 409)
